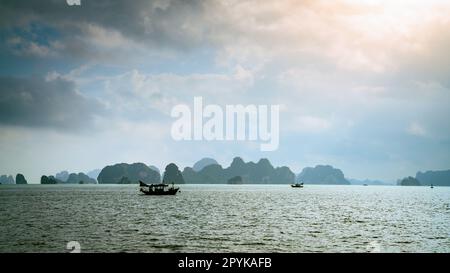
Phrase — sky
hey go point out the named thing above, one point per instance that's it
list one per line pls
(361, 85)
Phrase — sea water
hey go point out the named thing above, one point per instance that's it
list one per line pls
(225, 218)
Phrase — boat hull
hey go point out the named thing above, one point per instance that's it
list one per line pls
(168, 192)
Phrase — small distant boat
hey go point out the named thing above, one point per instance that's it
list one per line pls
(432, 186)
(297, 185)
(157, 189)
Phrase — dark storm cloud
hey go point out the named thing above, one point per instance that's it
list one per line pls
(175, 25)
(36, 102)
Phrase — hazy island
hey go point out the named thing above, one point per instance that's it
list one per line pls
(124, 173)
(408, 181)
(9, 180)
(261, 172)
(436, 178)
(66, 178)
(322, 175)
(209, 171)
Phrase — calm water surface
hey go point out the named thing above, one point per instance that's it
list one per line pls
(225, 218)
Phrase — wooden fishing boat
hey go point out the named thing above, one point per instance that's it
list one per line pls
(158, 189)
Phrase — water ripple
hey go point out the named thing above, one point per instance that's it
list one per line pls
(224, 218)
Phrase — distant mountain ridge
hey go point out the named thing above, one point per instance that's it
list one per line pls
(204, 162)
(7, 180)
(172, 175)
(250, 173)
(209, 171)
(156, 169)
(369, 182)
(409, 181)
(437, 178)
(50, 180)
(124, 173)
(64, 177)
(94, 173)
(20, 179)
(80, 178)
(322, 174)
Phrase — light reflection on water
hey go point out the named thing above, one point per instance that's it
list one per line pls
(225, 218)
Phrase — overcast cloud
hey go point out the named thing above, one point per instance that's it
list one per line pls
(35, 102)
(362, 85)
